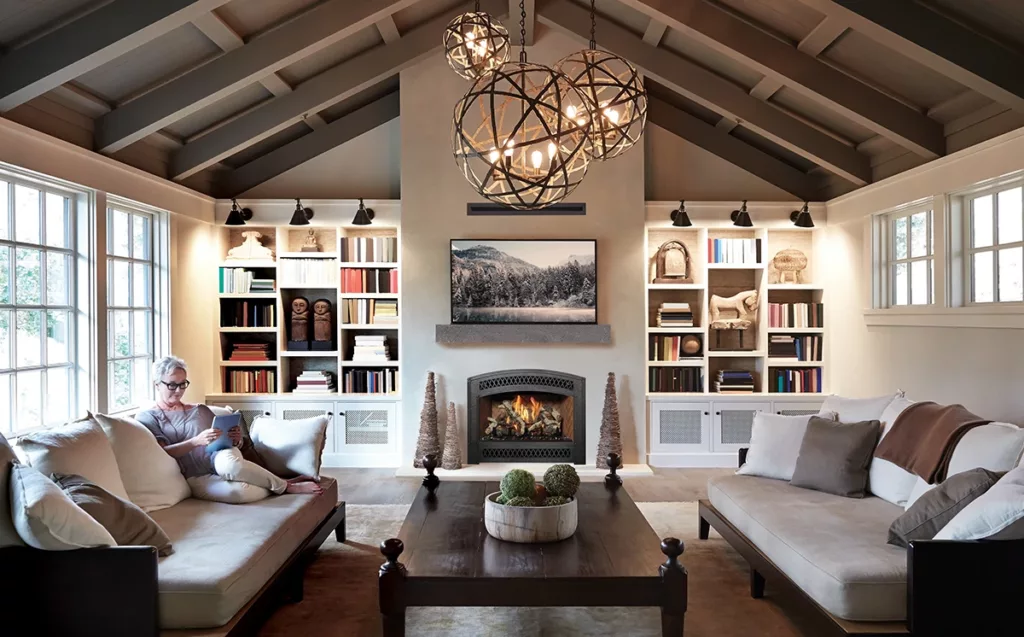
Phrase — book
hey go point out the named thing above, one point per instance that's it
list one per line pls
(223, 423)
(734, 251)
(369, 249)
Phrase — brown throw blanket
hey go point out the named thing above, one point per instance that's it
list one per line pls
(923, 437)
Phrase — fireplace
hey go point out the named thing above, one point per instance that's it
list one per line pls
(527, 415)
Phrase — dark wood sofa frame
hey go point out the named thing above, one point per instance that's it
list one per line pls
(954, 588)
(112, 592)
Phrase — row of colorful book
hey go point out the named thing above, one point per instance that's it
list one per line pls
(797, 348)
(370, 381)
(249, 314)
(675, 315)
(795, 381)
(672, 348)
(369, 312)
(250, 381)
(796, 315)
(675, 379)
(376, 280)
(369, 249)
(242, 281)
(737, 251)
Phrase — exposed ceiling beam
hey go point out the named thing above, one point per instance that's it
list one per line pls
(388, 30)
(308, 146)
(822, 36)
(815, 80)
(732, 149)
(714, 92)
(317, 93)
(933, 40)
(319, 27)
(655, 32)
(227, 40)
(91, 41)
(514, 13)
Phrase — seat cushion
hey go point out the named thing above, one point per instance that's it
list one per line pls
(833, 548)
(225, 553)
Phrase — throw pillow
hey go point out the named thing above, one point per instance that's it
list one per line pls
(858, 409)
(47, 519)
(127, 523)
(834, 457)
(885, 479)
(152, 478)
(291, 447)
(919, 489)
(998, 514)
(996, 446)
(938, 506)
(79, 448)
(775, 444)
(8, 534)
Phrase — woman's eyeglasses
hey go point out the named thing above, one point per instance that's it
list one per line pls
(175, 386)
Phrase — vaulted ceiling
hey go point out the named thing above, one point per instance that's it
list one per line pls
(817, 97)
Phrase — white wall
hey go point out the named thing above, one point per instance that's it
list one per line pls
(194, 257)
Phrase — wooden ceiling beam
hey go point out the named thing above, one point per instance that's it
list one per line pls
(714, 92)
(89, 42)
(308, 146)
(776, 59)
(319, 27)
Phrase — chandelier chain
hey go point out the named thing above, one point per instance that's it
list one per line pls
(522, 31)
(476, 6)
(593, 26)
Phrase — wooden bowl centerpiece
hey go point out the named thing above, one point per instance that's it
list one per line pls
(527, 512)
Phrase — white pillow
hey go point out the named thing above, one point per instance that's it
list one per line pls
(885, 479)
(775, 444)
(47, 519)
(858, 409)
(997, 514)
(151, 477)
(8, 534)
(290, 447)
(996, 446)
(920, 488)
(79, 448)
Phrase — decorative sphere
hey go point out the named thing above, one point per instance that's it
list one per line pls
(520, 502)
(561, 480)
(556, 500)
(515, 138)
(518, 483)
(616, 101)
(691, 345)
(475, 44)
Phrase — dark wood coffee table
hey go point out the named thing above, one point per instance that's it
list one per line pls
(448, 559)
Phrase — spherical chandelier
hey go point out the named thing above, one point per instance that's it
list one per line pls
(514, 139)
(616, 101)
(475, 44)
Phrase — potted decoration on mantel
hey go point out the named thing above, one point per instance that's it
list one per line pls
(528, 512)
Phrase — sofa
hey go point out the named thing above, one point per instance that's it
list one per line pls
(833, 550)
(231, 565)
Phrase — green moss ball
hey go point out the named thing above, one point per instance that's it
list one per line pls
(501, 499)
(518, 482)
(520, 502)
(556, 500)
(561, 479)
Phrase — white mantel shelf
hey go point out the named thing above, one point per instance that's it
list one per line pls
(495, 470)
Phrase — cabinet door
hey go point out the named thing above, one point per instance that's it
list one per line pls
(680, 427)
(796, 408)
(366, 435)
(298, 410)
(249, 411)
(732, 424)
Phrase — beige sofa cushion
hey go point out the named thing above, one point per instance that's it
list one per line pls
(225, 553)
(833, 548)
(77, 448)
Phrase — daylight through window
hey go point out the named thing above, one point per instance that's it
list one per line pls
(996, 246)
(911, 258)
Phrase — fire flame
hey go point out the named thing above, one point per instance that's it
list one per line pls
(529, 411)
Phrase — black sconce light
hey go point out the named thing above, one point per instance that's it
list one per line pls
(741, 217)
(237, 216)
(802, 218)
(679, 217)
(301, 216)
(364, 216)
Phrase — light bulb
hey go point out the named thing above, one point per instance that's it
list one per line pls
(552, 149)
(570, 111)
(612, 115)
(509, 146)
(494, 155)
(470, 35)
(537, 158)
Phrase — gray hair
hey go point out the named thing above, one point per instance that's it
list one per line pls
(167, 365)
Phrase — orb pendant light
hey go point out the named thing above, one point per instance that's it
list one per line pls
(475, 44)
(512, 137)
(616, 101)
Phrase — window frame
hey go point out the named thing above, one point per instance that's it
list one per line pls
(966, 207)
(884, 261)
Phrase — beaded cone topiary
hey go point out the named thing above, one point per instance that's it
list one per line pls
(561, 480)
(520, 502)
(518, 483)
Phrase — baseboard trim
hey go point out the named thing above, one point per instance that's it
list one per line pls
(693, 460)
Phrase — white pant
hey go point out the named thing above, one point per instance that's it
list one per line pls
(237, 480)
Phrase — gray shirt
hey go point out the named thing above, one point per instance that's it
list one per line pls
(172, 427)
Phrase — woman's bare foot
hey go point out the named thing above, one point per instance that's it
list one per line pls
(304, 487)
(302, 479)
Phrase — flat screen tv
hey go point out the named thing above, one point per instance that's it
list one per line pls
(524, 281)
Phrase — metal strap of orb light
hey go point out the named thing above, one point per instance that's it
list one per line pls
(475, 44)
(616, 103)
(512, 138)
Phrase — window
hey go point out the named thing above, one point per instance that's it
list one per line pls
(38, 304)
(911, 257)
(995, 246)
(131, 305)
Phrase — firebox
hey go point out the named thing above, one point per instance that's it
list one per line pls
(527, 415)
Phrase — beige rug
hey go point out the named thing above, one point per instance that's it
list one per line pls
(341, 592)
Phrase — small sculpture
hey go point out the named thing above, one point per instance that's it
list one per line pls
(744, 304)
(322, 331)
(299, 322)
(310, 244)
(251, 248)
(789, 262)
(672, 263)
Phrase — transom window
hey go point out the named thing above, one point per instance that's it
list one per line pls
(996, 246)
(911, 258)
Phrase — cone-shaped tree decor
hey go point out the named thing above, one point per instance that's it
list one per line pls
(611, 435)
(452, 458)
(427, 441)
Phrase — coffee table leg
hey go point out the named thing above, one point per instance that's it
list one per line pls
(673, 581)
(391, 583)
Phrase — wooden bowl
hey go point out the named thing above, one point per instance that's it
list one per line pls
(529, 525)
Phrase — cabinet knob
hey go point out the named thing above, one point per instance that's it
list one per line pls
(779, 413)
(718, 413)
(266, 413)
(706, 413)
(329, 414)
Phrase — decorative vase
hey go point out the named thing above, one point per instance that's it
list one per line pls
(529, 525)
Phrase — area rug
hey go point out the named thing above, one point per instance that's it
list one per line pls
(341, 592)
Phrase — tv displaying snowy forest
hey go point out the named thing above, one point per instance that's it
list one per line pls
(536, 281)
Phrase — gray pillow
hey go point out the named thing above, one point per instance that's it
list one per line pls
(8, 534)
(933, 510)
(127, 523)
(835, 456)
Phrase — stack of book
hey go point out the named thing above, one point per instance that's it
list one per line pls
(371, 348)
(262, 286)
(258, 381)
(675, 379)
(366, 381)
(797, 348)
(314, 382)
(675, 315)
(308, 272)
(249, 352)
(796, 315)
(734, 381)
(796, 381)
(737, 251)
(369, 280)
(385, 312)
(369, 249)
